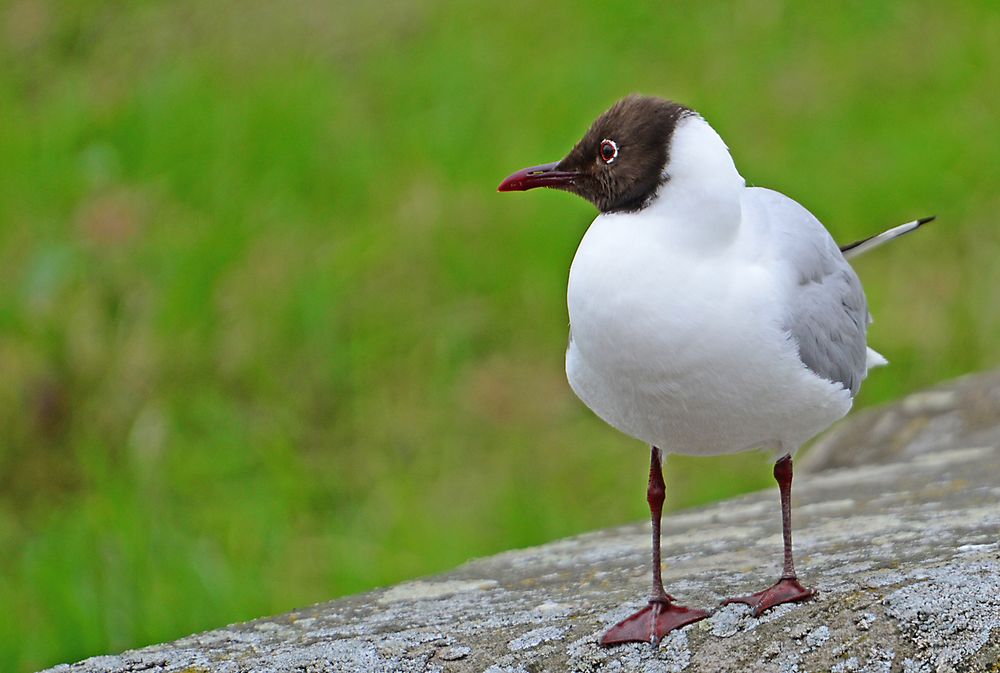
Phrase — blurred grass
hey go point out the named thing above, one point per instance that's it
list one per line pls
(268, 335)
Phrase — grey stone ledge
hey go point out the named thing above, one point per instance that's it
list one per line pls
(896, 522)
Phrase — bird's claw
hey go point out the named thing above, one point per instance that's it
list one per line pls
(785, 590)
(651, 623)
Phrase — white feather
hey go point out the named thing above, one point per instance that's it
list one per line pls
(677, 318)
(886, 236)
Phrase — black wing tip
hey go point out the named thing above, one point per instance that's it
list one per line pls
(925, 220)
(851, 246)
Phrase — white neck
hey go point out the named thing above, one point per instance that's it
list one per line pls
(700, 202)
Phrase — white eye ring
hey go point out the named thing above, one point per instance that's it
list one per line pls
(608, 143)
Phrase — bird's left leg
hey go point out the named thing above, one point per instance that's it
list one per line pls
(787, 589)
(661, 615)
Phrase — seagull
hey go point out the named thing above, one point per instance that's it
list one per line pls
(706, 317)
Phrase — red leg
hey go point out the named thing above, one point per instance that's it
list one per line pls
(662, 615)
(787, 589)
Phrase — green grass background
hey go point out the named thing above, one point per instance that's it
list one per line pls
(269, 336)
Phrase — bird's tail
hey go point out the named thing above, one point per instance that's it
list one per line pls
(874, 359)
(864, 245)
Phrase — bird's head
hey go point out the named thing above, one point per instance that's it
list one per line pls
(620, 162)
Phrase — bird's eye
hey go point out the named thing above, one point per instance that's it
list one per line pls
(608, 151)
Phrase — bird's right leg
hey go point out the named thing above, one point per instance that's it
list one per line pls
(662, 615)
(787, 589)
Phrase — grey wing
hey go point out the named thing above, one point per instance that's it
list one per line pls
(827, 311)
(829, 319)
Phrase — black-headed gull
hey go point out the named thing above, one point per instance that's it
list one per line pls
(706, 317)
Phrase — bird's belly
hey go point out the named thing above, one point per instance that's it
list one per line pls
(690, 356)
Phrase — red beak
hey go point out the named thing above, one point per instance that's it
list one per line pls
(545, 175)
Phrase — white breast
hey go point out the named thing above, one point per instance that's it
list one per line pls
(676, 328)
